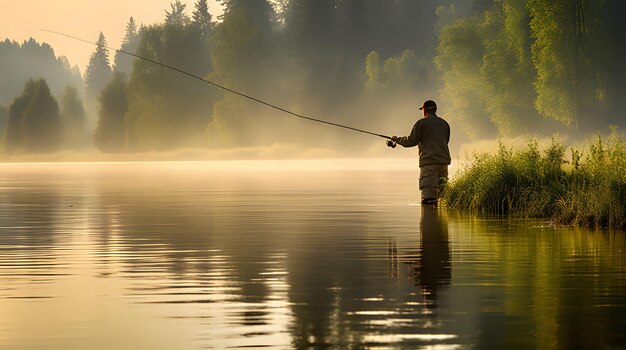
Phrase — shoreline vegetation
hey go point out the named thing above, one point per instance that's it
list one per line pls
(586, 189)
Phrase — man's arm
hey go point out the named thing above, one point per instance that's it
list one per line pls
(409, 141)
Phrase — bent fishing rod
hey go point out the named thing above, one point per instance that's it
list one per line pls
(390, 143)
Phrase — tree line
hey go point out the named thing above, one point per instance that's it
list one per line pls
(20, 62)
(498, 67)
(535, 65)
(301, 54)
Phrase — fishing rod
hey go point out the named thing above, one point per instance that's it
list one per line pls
(390, 143)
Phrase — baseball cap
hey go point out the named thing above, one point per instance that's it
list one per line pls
(428, 105)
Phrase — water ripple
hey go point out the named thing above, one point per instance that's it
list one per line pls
(132, 256)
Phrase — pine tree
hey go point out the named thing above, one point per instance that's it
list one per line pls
(14, 139)
(34, 122)
(111, 131)
(99, 69)
(20, 62)
(124, 62)
(167, 110)
(42, 122)
(259, 13)
(177, 15)
(242, 55)
(310, 25)
(312, 38)
(73, 118)
(202, 18)
(243, 40)
(131, 32)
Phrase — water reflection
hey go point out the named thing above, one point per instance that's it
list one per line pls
(432, 269)
(116, 257)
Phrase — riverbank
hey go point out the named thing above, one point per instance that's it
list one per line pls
(588, 187)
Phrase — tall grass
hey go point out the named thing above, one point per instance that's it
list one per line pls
(588, 190)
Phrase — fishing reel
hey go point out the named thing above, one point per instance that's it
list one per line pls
(391, 144)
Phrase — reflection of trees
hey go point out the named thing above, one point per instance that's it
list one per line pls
(28, 236)
(591, 275)
(173, 234)
(313, 300)
(327, 278)
(324, 274)
(528, 285)
(28, 216)
(156, 227)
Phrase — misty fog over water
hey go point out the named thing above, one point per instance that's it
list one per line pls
(495, 68)
(142, 207)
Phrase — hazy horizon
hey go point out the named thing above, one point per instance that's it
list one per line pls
(84, 19)
(495, 71)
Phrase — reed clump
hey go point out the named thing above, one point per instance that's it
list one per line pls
(587, 189)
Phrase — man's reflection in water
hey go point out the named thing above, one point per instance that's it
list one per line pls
(432, 268)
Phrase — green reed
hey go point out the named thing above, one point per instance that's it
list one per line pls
(589, 189)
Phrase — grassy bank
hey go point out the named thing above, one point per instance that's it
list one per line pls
(587, 188)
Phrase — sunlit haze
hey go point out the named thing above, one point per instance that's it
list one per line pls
(21, 20)
(303, 79)
(304, 174)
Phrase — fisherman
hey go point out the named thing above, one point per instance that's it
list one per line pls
(431, 134)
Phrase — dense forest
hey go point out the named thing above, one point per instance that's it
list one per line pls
(496, 68)
(32, 60)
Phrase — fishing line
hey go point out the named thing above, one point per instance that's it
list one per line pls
(219, 86)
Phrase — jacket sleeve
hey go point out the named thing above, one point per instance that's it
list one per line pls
(413, 139)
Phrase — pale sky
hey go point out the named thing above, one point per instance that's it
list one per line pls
(21, 19)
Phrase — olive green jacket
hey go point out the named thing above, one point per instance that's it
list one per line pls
(431, 135)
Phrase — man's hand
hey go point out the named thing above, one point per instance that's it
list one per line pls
(394, 138)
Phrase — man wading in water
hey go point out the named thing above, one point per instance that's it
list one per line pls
(431, 134)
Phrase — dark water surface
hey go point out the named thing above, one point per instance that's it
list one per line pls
(287, 255)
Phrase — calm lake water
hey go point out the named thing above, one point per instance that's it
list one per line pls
(287, 255)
